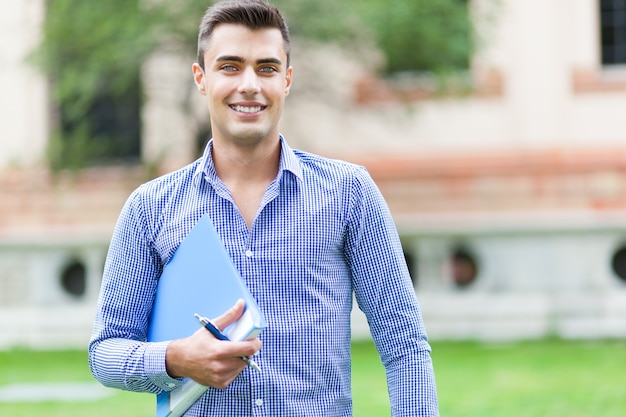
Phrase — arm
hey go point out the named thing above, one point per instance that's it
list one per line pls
(385, 293)
(119, 355)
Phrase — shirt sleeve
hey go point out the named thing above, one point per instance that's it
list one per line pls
(384, 292)
(119, 355)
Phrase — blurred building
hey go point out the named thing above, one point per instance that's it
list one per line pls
(509, 194)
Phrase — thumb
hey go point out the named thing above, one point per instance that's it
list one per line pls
(230, 316)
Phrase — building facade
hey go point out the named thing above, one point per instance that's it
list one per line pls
(510, 198)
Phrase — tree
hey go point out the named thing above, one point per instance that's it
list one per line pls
(93, 53)
(421, 35)
(413, 35)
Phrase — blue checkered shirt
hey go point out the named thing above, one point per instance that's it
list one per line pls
(322, 234)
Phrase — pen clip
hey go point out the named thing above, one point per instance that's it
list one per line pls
(213, 324)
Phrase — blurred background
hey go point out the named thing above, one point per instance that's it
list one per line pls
(494, 128)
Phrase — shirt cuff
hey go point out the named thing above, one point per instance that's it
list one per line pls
(156, 372)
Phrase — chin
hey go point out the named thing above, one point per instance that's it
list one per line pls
(251, 136)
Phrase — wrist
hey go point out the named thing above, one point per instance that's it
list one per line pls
(173, 358)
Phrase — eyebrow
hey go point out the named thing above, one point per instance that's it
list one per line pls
(235, 58)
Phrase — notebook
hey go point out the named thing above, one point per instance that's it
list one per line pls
(199, 278)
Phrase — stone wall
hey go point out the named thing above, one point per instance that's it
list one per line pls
(545, 232)
(54, 234)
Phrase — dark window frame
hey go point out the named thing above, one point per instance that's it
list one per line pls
(613, 32)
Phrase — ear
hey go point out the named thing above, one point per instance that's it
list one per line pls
(198, 78)
(288, 79)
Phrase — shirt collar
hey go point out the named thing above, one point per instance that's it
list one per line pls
(288, 162)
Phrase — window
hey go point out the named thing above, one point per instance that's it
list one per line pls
(110, 132)
(464, 267)
(74, 278)
(618, 262)
(93, 58)
(411, 263)
(613, 31)
(117, 120)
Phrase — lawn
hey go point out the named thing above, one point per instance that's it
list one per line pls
(527, 379)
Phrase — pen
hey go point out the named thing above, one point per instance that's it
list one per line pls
(208, 324)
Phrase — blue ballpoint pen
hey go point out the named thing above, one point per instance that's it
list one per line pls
(208, 324)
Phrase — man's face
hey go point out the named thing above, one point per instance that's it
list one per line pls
(245, 81)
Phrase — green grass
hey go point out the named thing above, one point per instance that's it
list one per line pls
(530, 379)
(26, 366)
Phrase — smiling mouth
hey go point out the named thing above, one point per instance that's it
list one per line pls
(247, 109)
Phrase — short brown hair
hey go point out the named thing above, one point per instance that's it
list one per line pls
(254, 14)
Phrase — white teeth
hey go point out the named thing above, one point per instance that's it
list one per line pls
(245, 109)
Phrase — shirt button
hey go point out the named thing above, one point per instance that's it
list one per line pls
(171, 385)
(249, 253)
(258, 402)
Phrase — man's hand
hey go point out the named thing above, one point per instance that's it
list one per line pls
(207, 360)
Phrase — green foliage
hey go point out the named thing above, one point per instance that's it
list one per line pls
(413, 35)
(91, 47)
(322, 20)
(421, 35)
(94, 51)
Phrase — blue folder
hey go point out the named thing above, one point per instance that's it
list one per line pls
(199, 278)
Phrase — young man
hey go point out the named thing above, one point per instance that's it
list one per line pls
(305, 232)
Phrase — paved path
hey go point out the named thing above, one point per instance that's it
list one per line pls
(54, 391)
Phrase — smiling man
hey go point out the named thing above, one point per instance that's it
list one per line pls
(306, 233)
(245, 75)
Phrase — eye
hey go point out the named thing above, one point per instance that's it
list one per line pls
(228, 68)
(268, 69)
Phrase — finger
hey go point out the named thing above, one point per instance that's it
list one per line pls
(230, 316)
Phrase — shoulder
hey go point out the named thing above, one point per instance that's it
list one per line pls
(168, 184)
(348, 178)
(156, 195)
(348, 184)
(317, 165)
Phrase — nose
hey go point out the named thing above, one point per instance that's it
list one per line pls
(249, 81)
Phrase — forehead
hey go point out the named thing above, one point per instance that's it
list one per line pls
(241, 41)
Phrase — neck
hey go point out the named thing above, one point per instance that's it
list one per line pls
(252, 164)
(246, 172)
